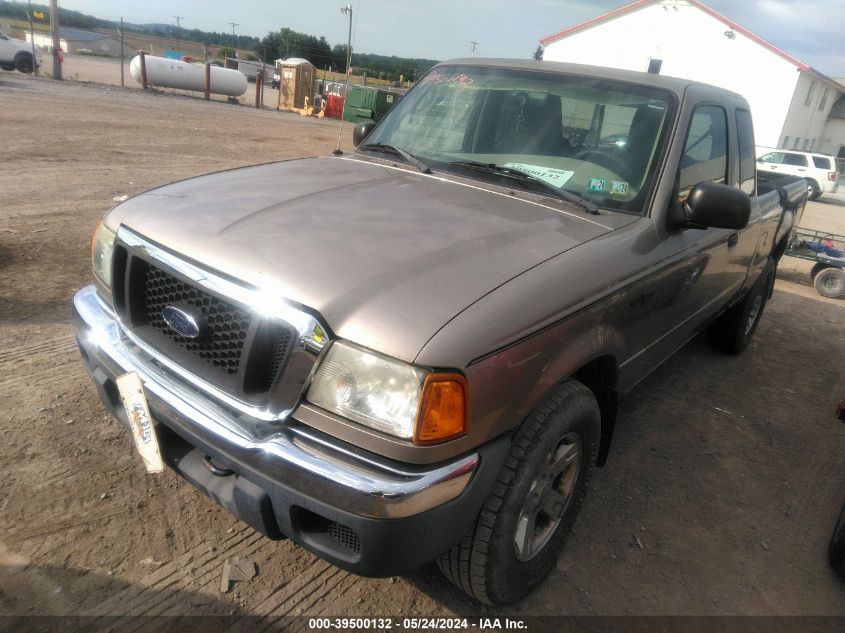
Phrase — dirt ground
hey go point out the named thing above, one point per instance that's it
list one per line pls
(724, 480)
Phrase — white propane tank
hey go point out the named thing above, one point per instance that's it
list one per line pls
(172, 73)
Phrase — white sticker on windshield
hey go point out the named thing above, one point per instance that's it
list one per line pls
(556, 177)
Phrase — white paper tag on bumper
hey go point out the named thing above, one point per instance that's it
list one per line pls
(132, 393)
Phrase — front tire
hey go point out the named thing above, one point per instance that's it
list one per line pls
(522, 527)
(23, 63)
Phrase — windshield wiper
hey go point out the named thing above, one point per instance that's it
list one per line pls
(518, 174)
(397, 151)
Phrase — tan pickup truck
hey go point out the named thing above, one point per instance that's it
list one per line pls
(415, 351)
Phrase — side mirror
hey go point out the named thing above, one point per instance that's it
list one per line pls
(760, 160)
(362, 131)
(714, 205)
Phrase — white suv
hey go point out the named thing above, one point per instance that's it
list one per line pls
(819, 169)
(17, 54)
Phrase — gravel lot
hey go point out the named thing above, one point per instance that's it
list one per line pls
(723, 484)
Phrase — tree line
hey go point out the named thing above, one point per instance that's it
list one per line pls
(286, 43)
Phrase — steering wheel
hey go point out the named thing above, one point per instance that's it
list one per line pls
(615, 163)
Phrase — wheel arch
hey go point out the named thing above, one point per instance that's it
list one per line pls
(600, 376)
(816, 186)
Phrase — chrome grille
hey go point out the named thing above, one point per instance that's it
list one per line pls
(222, 344)
(256, 363)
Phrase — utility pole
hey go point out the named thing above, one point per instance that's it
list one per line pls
(472, 51)
(178, 19)
(234, 24)
(31, 36)
(57, 41)
(121, 53)
(346, 9)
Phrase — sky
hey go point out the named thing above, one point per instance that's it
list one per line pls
(442, 29)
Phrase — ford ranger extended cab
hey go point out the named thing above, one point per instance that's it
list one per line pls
(414, 352)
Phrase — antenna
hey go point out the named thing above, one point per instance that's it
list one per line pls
(347, 9)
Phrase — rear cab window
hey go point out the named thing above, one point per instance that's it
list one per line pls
(747, 166)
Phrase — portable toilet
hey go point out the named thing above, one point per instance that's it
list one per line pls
(297, 80)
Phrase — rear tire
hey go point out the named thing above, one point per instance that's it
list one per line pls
(732, 332)
(23, 63)
(815, 190)
(522, 527)
(830, 282)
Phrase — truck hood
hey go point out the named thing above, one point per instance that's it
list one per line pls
(386, 255)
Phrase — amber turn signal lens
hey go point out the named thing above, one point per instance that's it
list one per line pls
(443, 413)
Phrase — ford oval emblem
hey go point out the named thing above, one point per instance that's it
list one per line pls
(180, 322)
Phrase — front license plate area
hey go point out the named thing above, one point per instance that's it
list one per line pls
(140, 421)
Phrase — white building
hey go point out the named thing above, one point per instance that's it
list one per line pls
(81, 41)
(790, 101)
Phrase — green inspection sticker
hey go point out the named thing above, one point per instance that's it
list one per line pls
(597, 185)
(618, 187)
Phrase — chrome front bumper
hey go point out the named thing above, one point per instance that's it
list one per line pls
(289, 453)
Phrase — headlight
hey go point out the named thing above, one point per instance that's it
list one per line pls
(388, 395)
(102, 247)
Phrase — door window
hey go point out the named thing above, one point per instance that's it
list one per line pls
(705, 156)
(798, 160)
(773, 157)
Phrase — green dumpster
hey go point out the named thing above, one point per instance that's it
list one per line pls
(364, 103)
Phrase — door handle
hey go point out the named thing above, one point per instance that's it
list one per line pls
(799, 169)
(733, 239)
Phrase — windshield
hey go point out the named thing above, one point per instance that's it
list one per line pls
(594, 138)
